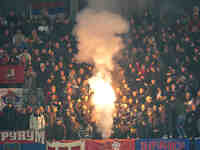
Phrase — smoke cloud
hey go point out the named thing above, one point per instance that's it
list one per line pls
(103, 100)
(97, 31)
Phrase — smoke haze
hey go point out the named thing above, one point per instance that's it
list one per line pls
(97, 31)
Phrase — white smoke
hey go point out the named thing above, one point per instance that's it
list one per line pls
(103, 100)
(104, 120)
(97, 32)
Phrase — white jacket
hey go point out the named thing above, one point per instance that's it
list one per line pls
(37, 122)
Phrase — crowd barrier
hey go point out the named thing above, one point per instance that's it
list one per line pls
(32, 140)
(110, 144)
(70, 145)
(107, 144)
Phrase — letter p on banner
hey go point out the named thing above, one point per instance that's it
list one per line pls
(4, 136)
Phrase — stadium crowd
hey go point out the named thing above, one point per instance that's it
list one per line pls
(157, 87)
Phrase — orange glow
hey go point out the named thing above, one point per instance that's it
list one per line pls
(104, 95)
(103, 99)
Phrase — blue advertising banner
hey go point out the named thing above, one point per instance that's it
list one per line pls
(197, 144)
(20, 146)
(163, 144)
(33, 147)
(10, 146)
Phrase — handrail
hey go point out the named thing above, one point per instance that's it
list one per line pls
(56, 145)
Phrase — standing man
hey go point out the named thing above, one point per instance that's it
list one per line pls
(37, 120)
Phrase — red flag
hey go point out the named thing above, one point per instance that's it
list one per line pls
(11, 74)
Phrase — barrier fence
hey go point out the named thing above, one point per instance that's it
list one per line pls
(70, 145)
(107, 144)
(110, 144)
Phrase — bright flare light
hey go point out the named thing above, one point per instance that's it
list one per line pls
(103, 99)
(104, 94)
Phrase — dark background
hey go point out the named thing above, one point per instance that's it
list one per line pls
(160, 6)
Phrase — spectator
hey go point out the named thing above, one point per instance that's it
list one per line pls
(23, 119)
(37, 120)
(42, 76)
(18, 38)
(180, 126)
(4, 57)
(34, 39)
(7, 38)
(191, 122)
(155, 77)
(59, 51)
(58, 130)
(30, 79)
(14, 59)
(9, 117)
